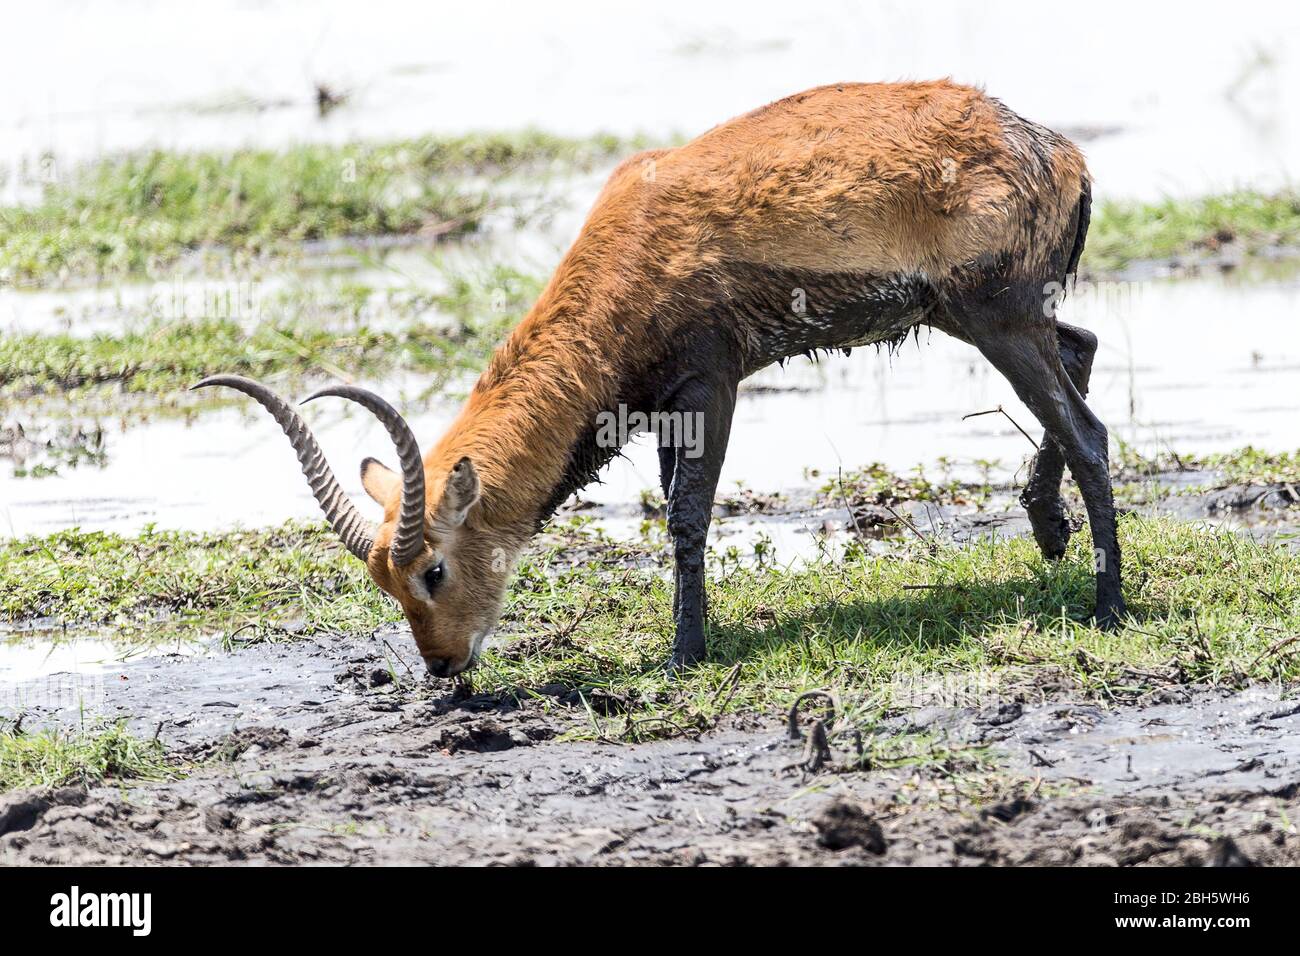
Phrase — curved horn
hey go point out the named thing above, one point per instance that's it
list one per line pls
(357, 533)
(408, 539)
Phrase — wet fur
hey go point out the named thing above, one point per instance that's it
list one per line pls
(885, 206)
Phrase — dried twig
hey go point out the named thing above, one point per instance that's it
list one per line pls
(911, 527)
(1041, 761)
(398, 656)
(792, 720)
(1003, 412)
(817, 752)
(1271, 651)
(729, 683)
(680, 730)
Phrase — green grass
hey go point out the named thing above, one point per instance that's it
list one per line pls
(1122, 232)
(959, 624)
(300, 336)
(170, 358)
(876, 484)
(188, 584)
(1254, 466)
(1241, 466)
(137, 213)
(951, 624)
(59, 758)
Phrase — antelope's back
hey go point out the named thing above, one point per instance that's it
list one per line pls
(915, 178)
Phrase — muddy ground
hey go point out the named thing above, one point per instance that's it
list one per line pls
(310, 752)
(310, 749)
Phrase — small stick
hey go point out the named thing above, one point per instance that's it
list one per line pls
(1040, 760)
(817, 752)
(1003, 412)
(398, 656)
(1269, 652)
(911, 527)
(839, 480)
(633, 724)
(732, 681)
(832, 705)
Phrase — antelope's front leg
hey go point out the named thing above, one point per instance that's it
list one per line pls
(694, 445)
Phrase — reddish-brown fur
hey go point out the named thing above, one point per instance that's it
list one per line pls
(919, 179)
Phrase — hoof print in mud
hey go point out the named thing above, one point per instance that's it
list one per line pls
(846, 825)
(248, 742)
(218, 819)
(22, 809)
(1225, 852)
(483, 736)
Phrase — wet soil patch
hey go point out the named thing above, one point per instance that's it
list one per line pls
(297, 760)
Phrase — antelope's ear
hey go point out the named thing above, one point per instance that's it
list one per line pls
(381, 482)
(459, 494)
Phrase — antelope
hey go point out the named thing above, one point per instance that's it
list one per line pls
(880, 208)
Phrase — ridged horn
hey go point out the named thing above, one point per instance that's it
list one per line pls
(408, 539)
(357, 533)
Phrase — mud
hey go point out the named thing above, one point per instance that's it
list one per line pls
(315, 751)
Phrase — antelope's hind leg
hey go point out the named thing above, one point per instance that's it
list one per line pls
(1042, 495)
(1022, 344)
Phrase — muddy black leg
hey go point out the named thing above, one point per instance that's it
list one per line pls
(667, 460)
(1042, 495)
(1025, 350)
(708, 403)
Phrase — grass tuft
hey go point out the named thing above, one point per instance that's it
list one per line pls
(54, 758)
(189, 584)
(136, 213)
(1123, 232)
(345, 332)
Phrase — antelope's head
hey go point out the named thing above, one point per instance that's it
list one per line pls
(432, 552)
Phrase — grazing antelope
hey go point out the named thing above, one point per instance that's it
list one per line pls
(875, 207)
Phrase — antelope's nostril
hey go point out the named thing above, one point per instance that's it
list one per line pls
(437, 666)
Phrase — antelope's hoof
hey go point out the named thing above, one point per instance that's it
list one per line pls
(1052, 530)
(1110, 615)
(682, 661)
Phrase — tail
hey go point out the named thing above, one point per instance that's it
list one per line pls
(1082, 216)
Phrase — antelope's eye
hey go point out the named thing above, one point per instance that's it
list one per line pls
(433, 576)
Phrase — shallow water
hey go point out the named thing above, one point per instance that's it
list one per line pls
(1193, 365)
(1220, 742)
(42, 670)
(1166, 100)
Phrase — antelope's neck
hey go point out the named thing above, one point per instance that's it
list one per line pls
(531, 421)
